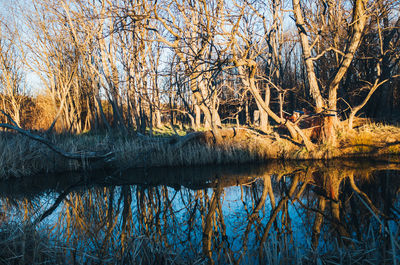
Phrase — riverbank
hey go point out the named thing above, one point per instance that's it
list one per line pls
(21, 156)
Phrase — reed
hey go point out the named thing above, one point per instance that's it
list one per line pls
(24, 244)
(377, 249)
(21, 156)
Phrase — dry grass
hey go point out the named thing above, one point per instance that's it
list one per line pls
(23, 157)
(142, 250)
(23, 244)
(282, 250)
(371, 139)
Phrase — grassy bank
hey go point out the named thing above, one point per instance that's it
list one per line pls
(22, 156)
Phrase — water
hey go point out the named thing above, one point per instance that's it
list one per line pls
(276, 213)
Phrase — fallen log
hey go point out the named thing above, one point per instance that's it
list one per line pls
(85, 155)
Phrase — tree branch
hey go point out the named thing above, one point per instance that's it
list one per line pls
(88, 155)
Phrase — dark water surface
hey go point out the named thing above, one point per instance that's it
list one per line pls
(335, 212)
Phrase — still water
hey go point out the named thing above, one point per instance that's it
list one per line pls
(335, 212)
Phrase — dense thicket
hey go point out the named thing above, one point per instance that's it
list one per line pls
(134, 65)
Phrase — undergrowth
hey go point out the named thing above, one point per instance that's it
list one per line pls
(21, 156)
(24, 244)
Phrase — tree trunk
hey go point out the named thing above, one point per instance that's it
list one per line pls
(210, 113)
(293, 129)
(359, 20)
(263, 118)
(197, 112)
(311, 77)
(358, 24)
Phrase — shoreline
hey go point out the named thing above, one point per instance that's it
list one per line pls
(191, 177)
(23, 157)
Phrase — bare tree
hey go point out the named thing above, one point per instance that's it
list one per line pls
(356, 28)
(11, 74)
(244, 58)
(192, 26)
(383, 60)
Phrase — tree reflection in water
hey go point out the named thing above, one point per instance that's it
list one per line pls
(336, 212)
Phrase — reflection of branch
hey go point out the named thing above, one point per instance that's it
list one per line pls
(273, 217)
(276, 211)
(319, 219)
(386, 227)
(222, 228)
(254, 215)
(208, 228)
(367, 201)
(307, 177)
(57, 202)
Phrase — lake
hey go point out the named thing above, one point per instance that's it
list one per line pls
(303, 212)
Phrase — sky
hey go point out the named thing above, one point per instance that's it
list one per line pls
(8, 12)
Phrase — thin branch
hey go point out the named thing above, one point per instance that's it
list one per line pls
(325, 51)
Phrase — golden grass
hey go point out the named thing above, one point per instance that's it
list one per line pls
(372, 140)
(24, 157)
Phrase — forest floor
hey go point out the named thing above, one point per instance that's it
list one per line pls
(21, 156)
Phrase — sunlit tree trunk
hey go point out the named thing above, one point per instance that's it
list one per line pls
(358, 23)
